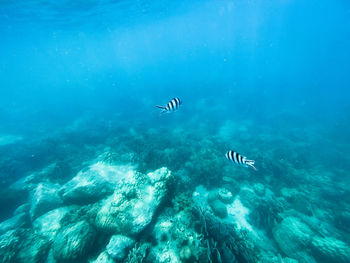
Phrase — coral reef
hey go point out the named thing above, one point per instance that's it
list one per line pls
(68, 233)
(134, 195)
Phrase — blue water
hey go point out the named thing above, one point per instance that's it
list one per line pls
(269, 79)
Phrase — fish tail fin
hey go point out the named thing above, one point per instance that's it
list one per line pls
(251, 164)
(161, 107)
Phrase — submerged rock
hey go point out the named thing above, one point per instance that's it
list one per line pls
(259, 189)
(212, 196)
(119, 246)
(50, 258)
(164, 255)
(6, 139)
(9, 244)
(201, 196)
(228, 179)
(23, 245)
(19, 220)
(33, 249)
(103, 258)
(44, 198)
(22, 209)
(221, 194)
(248, 197)
(330, 250)
(219, 208)
(294, 239)
(238, 215)
(92, 185)
(9, 200)
(298, 200)
(73, 241)
(86, 187)
(130, 209)
(225, 196)
(185, 254)
(29, 182)
(49, 223)
(343, 220)
(289, 260)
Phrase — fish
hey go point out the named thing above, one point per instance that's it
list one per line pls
(172, 105)
(239, 159)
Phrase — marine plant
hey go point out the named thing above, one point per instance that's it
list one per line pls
(267, 214)
(224, 242)
(138, 253)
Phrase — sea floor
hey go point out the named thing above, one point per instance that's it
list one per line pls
(100, 191)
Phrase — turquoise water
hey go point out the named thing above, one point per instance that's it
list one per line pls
(92, 171)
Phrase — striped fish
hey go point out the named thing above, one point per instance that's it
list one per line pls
(172, 105)
(239, 159)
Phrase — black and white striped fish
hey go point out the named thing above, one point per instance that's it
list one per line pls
(239, 159)
(172, 105)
